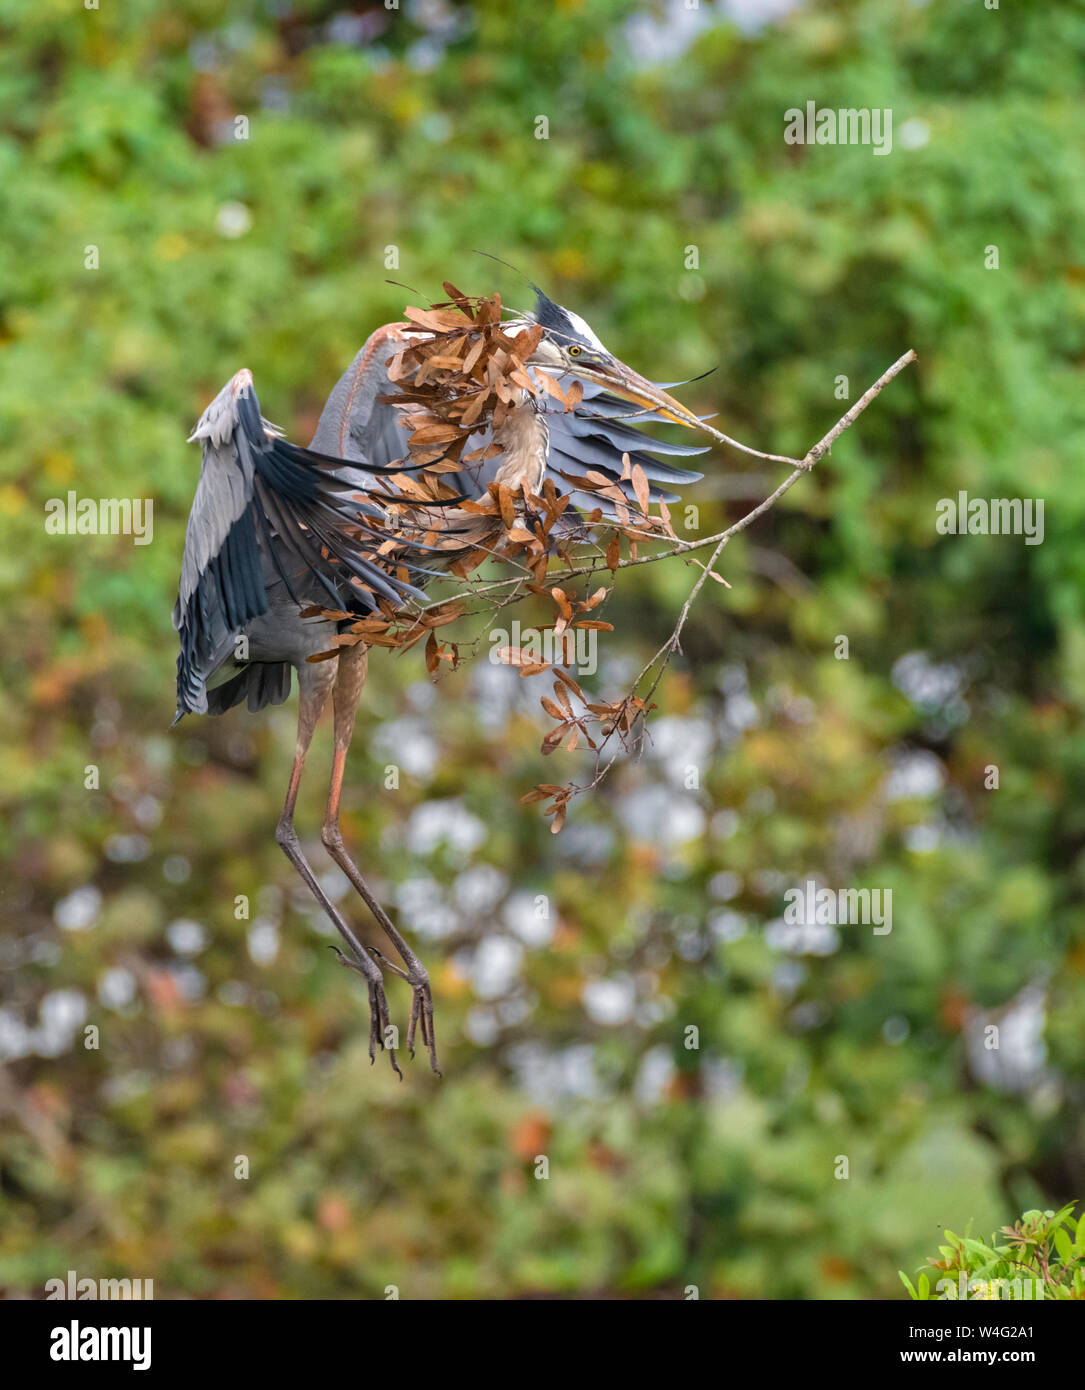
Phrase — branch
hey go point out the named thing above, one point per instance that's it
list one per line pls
(662, 658)
(799, 467)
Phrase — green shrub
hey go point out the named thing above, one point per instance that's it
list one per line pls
(1041, 1257)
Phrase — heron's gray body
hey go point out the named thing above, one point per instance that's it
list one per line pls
(250, 645)
(276, 530)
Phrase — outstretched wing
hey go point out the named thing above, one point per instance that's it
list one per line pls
(266, 509)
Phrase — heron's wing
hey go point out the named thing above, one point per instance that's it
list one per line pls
(266, 509)
(595, 435)
(356, 424)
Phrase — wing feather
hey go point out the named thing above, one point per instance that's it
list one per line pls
(595, 435)
(264, 506)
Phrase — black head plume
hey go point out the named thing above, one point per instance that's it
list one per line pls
(557, 320)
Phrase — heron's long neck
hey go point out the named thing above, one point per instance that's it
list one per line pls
(524, 440)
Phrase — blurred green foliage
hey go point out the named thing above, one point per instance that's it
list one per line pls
(670, 1165)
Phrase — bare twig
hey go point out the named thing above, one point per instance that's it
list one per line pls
(799, 467)
(662, 658)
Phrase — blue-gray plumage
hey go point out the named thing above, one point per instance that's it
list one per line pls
(276, 530)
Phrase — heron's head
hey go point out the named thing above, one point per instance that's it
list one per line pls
(569, 347)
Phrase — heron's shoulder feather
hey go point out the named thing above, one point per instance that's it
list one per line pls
(356, 424)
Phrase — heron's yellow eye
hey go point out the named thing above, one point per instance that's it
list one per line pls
(574, 351)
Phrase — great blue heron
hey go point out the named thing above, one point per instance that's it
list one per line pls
(274, 529)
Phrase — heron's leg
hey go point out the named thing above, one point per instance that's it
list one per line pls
(313, 696)
(350, 678)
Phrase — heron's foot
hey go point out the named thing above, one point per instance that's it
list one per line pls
(379, 1025)
(422, 1015)
(421, 1003)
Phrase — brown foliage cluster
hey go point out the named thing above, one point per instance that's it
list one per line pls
(460, 375)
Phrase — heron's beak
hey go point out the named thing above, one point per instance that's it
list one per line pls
(628, 385)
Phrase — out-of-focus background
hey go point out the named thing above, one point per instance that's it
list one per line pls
(666, 207)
